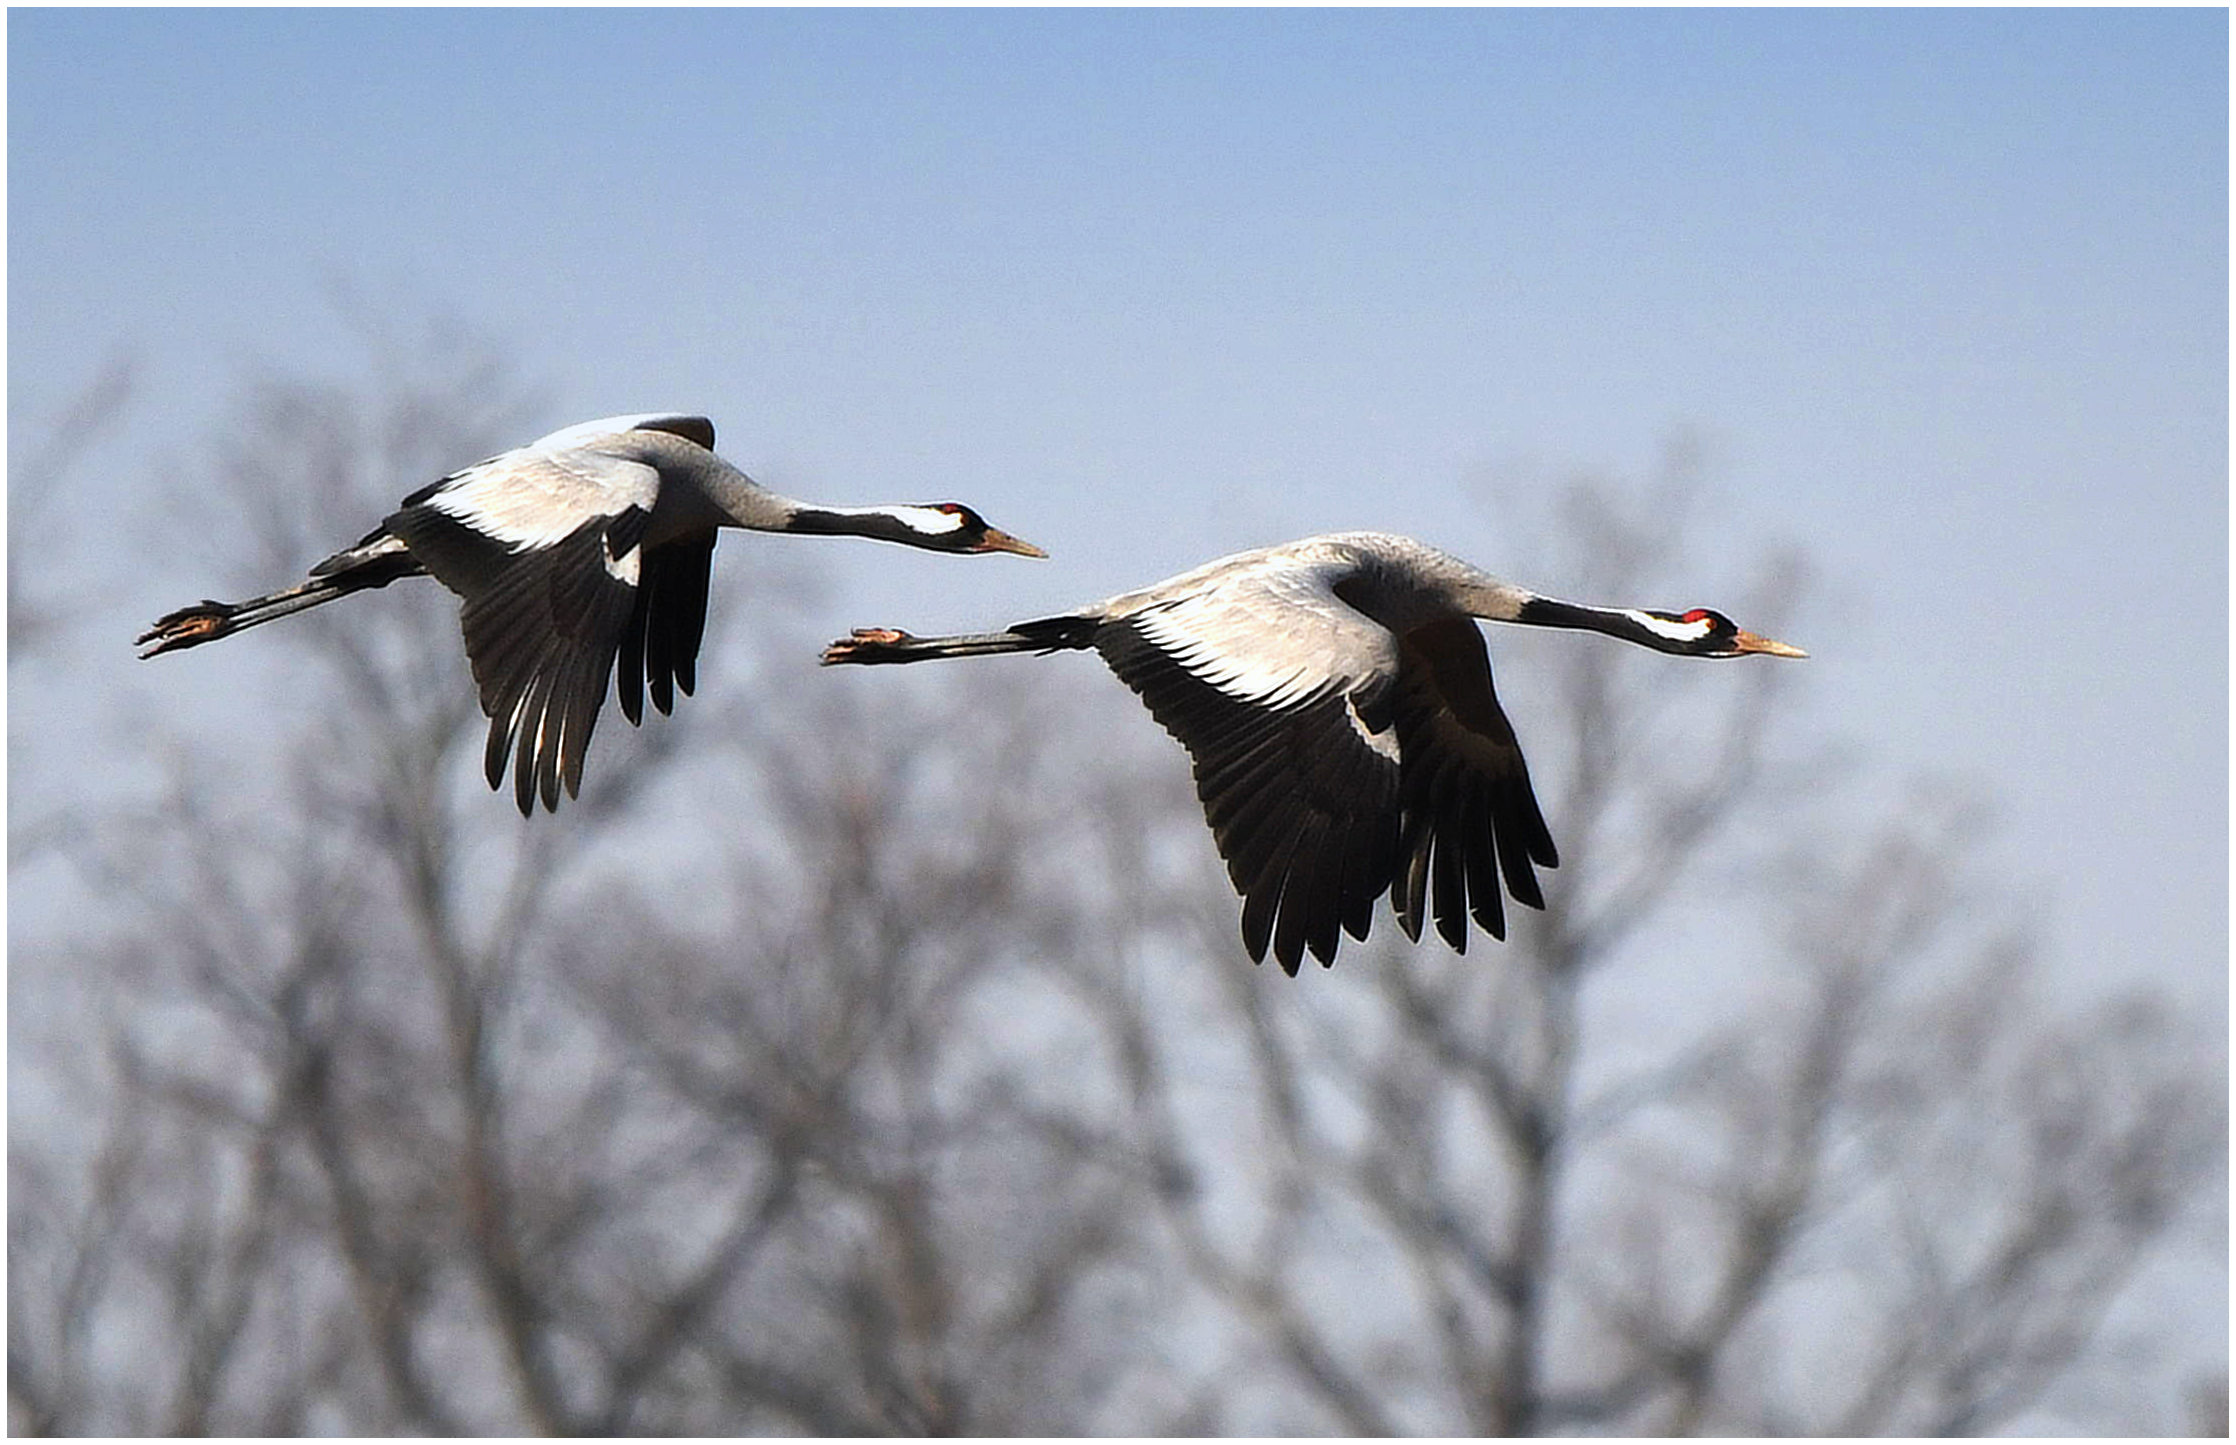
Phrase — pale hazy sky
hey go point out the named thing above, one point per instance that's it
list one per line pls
(1945, 291)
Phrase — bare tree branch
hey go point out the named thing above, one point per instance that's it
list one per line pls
(877, 1056)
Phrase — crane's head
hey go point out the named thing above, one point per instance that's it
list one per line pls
(1703, 633)
(953, 527)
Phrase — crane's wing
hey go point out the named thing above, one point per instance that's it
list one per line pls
(1336, 759)
(544, 545)
(661, 643)
(1277, 688)
(586, 434)
(1469, 810)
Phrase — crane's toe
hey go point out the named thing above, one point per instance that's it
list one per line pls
(864, 645)
(201, 622)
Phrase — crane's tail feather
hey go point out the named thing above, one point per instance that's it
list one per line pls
(209, 619)
(890, 644)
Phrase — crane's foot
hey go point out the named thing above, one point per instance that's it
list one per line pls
(203, 621)
(867, 644)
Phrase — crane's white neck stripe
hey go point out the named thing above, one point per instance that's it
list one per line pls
(930, 521)
(888, 523)
(1663, 627)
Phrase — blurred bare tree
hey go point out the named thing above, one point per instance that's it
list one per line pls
(404, 1116)
(1858, 1178)
(38, 483)
(46, 581)
(882, 1058)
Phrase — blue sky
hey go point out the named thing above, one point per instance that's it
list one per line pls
(1946, 292)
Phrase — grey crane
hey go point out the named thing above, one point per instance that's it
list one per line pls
(1335, 696)
(595, 540)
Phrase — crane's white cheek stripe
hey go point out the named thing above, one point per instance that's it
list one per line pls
(1662, 626)
(923, 521)
(931, 521)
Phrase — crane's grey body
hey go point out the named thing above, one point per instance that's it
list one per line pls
(662, 465)
(1336, 698)
(1336, 603)
(594, 542)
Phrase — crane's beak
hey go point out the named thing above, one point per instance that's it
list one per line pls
(1748, 642)
(996, 540)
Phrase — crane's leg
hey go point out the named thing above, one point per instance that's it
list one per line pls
(373, 563)
(890, 644)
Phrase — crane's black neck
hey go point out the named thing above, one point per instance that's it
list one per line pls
(855, 522)
(1623, 622)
